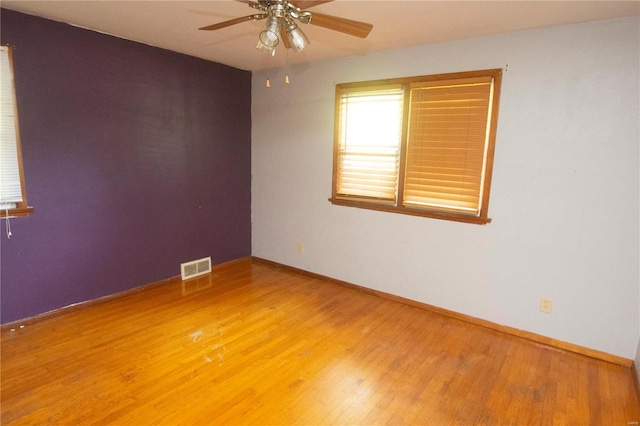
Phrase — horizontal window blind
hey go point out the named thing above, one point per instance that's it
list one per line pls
(369, 135)
(10, 184)
(447, 141)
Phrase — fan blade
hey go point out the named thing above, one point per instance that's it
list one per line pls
(224, 24)
(284, 38)
(343, 25)
(307, 4)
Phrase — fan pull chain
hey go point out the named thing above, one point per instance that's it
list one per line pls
(286, 81)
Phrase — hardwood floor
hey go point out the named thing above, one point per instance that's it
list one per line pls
(253, 344)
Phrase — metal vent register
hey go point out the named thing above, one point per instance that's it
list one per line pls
(195, 268)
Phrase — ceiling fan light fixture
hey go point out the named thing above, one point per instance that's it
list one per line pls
(282, 19)
(270, 50)
(297, 38)
(269, 35)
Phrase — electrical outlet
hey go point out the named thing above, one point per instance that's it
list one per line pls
(300, 248)
(546, 304)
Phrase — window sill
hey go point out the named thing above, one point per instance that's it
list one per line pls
(456, 217)
(19, 212)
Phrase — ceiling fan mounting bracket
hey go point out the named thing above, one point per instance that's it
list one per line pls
(281, 9)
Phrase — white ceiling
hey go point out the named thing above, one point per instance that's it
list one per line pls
(173, 25)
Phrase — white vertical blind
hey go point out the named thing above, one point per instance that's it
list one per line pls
(10, 187)
(369, 135)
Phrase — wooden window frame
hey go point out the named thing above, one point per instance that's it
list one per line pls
(397, 207)
(22, 208)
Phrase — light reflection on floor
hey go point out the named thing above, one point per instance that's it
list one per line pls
(196, 284)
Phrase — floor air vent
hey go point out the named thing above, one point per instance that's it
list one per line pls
(195, 268)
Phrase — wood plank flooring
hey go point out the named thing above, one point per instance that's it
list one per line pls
(254, 344)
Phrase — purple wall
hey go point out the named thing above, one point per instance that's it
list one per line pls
(136, 159)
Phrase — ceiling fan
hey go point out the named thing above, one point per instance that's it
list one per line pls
(281, 25)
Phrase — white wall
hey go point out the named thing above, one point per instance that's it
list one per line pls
(564, 200)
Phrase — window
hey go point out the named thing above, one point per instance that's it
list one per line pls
(419, 145)
(13, 199)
